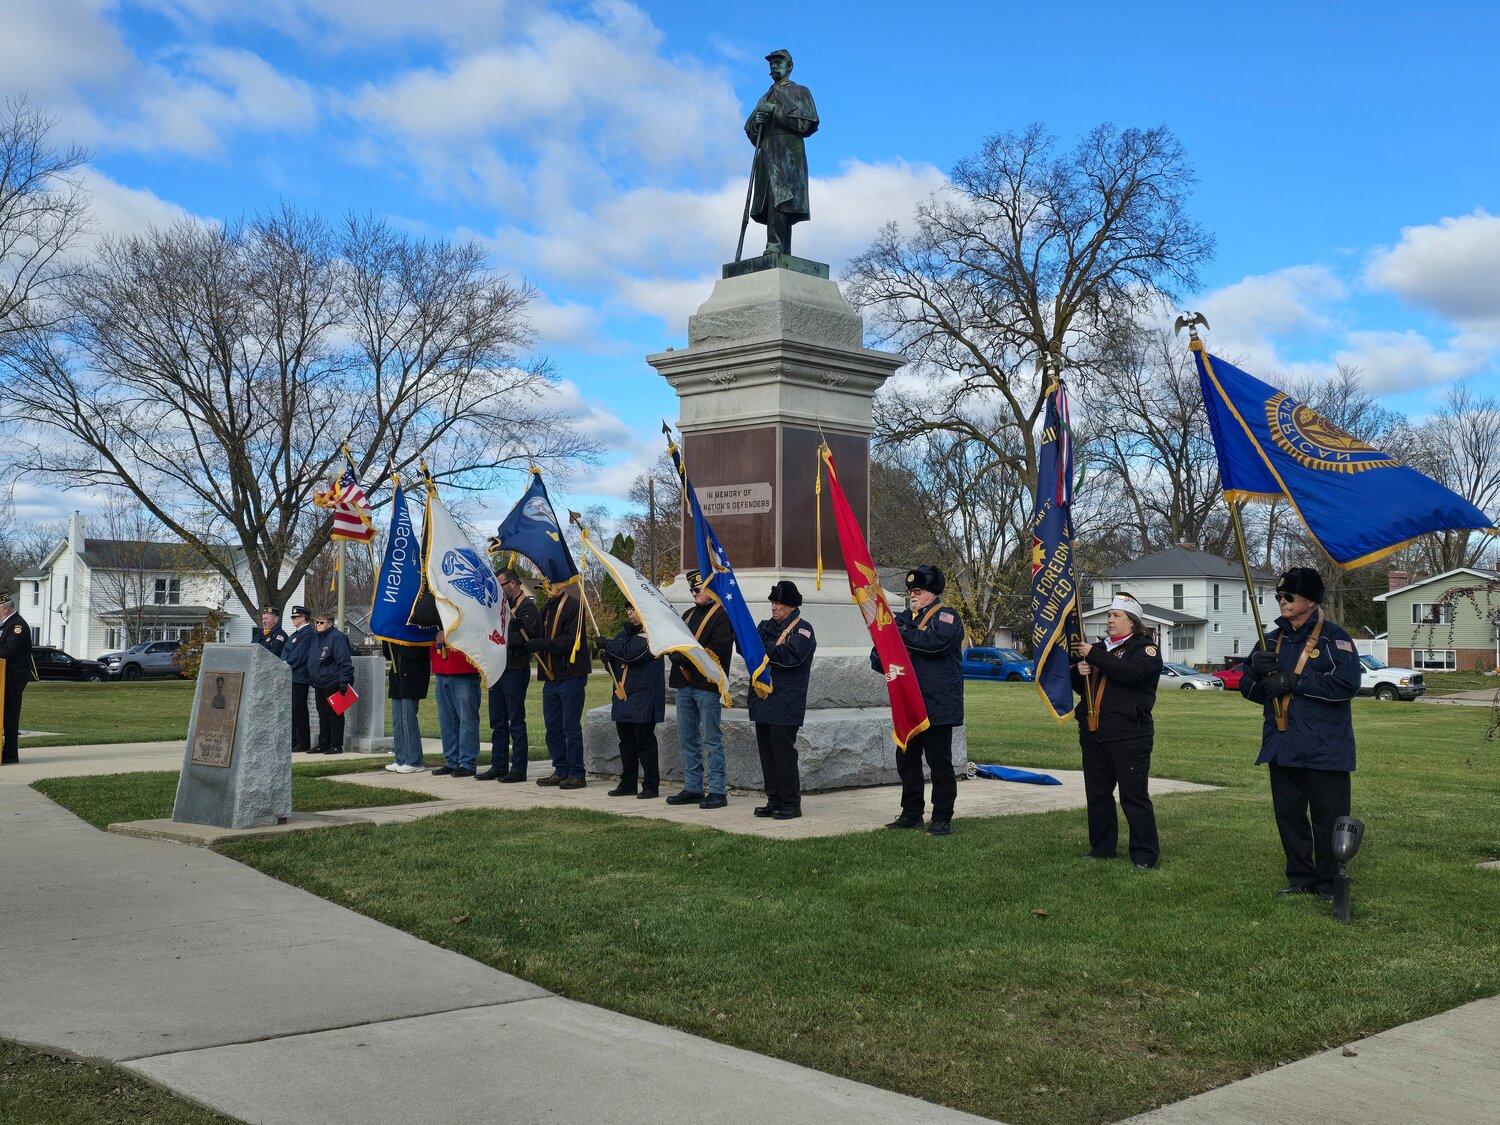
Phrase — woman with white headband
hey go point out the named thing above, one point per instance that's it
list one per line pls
(1117, 678)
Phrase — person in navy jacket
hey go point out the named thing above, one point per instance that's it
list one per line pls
(296, 652)
(1310, 665)
(790, 644)
(934, 638)
(638, 703)
(330, 666)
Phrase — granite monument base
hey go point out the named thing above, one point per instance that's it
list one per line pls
(237, 765)
(364, 723)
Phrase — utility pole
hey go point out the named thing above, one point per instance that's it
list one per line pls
(651, 522)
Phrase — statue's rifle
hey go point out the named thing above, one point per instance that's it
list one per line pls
(760, 132)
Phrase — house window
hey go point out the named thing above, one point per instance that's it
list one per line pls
(1236, 646)
(1244, 601)
(36, 593)
(114, 638)
(169, 591)
(36, 634)
(1114, 588)
(65, 587)
(1434, 659)
(1216, 602)
(1428, 613)
(1182, 639)
(1216, 626)
(1176, 595)
(1260, 595)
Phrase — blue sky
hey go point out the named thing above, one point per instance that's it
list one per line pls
(1346, 153)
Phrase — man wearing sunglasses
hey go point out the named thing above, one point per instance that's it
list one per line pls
(1304, 678)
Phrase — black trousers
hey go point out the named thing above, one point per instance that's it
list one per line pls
(1307, 802)
(935, 745)
(508, 745)
(1125, 763)
(11, 753)
(638, 752)
(301, 728)
(330, 725)
(778, 764)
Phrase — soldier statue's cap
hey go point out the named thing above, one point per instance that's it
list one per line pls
(779, 55)
(694, 580)
(1304, 581)
(929, 578)
(299, 611)
(786, 593)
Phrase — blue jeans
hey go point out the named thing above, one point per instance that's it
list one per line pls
(458, 719)
(695, 706)
(407, 732)
(562, 708)
(508, 721)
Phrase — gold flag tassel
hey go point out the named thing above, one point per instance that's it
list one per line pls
(818, 510)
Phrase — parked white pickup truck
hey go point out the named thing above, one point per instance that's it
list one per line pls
(1387, 683)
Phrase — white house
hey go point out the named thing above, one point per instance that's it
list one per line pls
(91, 596)
(1196, 603)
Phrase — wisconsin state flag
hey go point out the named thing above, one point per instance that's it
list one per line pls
(908, 712)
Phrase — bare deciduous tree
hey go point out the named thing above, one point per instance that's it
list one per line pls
(1459, 446)
(655, 522)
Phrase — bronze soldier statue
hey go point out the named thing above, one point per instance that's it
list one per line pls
(781, 119)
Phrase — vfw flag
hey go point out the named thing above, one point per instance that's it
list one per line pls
(475, 615)
(663, 629)
(1055, 621)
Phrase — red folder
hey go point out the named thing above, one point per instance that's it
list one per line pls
(343, 700)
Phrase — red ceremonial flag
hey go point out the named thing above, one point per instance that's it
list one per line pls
(908, 712)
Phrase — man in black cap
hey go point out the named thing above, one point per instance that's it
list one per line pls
(15, 650)
(1310, 670)
(934, 638)
(790, 645)
(699, 709)
(777, 125)
(271, 636)
(297, 651)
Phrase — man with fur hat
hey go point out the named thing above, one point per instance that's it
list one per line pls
(1308, 670)
(790, 645)
(1117, 678)
(934, 638)
(15, 650)
(699, 708)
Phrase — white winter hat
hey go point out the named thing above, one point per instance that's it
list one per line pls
(1128, 604)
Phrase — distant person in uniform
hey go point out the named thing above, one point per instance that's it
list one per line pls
(637, 703)
(934, 638)
(790, 644)
(297, 651)
(271, 636)
(1311, 667)
(700, 710)
(509, 749)
(15, 650)
(564, 676)
(1116, 679)
(331, 669)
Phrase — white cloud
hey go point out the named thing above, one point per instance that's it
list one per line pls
(1394, 362)
(1451, 267)
(122, 211)
(1292, 300)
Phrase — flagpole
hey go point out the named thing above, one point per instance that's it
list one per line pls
(583, 591)
(340, 565)
(1196, 344)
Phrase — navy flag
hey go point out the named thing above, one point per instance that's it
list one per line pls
(532, 531)
(399, 581)
(721, 584)
(1056, 624)
(1358, 503)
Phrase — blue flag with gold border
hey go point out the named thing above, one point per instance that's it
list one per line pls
(399, 582)
(1358, 503)
(531, 530)
(1055, 620)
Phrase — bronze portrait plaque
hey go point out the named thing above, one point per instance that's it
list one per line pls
(218, 715)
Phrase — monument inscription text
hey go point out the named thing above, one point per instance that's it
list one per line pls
(735, 499)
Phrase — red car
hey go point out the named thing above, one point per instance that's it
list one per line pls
(1230, 677)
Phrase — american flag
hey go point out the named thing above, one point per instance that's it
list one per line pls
(346, 501)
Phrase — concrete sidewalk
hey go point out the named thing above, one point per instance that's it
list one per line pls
(272, 1005)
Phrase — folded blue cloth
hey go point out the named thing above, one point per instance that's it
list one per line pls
(1007, 773)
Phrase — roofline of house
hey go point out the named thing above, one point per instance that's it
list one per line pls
(1487, 575)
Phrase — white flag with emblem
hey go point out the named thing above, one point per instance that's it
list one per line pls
(664, 630)
(475, 614)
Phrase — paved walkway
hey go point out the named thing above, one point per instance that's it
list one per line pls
(1484, 697)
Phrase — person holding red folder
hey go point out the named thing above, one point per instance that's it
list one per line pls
(331, 663)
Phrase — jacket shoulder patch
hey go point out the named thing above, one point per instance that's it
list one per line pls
(1343, 645)
(945, 617)
(805, 632)
(1150, 650)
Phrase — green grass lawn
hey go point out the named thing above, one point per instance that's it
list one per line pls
(42, 1089)
(114, 798)
(994, 970)
(1446, 683)
(95, 714)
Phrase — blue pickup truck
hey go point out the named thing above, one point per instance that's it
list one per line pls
(996, 664)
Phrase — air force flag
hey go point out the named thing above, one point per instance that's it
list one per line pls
(475, 614)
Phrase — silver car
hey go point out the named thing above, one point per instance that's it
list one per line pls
(1183, 678)
(149, 658)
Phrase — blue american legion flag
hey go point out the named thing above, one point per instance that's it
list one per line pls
(1358, 503)
(721, 584)
(1055, 620)
(399, 580)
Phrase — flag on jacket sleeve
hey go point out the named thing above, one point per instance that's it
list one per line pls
(398, 584)
(663, 629)
(721, 584)
(908, 712)
(1055, 620)
(1358, 503)
(476, 617)
(532, 531)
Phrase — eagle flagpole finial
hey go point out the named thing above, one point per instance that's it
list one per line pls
(1190, 321)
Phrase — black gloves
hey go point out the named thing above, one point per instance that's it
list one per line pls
(1263, 663)
(1279, 683)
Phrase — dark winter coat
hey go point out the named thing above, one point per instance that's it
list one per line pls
(638, 676)
(1131, 674)
(331, 662)
(790, 645)
(934, 639)
(408, 670)
(525, 626)
(298, 652)
(710, 624)
(558, 633)
(1320, 723)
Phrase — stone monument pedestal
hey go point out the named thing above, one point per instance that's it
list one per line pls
(775, 363)
(364, 723)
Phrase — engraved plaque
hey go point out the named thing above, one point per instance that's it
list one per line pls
(735, 499)
(218, 716)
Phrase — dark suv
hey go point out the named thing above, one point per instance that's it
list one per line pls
(149, 658)
(54, 664)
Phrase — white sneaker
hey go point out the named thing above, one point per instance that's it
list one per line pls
(406, 769)
(393, 767)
